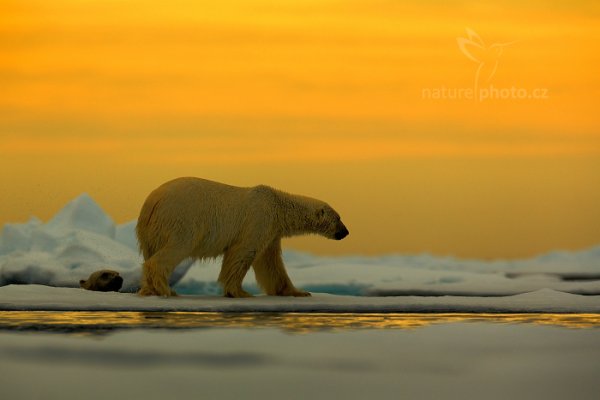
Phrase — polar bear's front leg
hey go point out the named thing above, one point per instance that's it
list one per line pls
(236, 263)
(271, 275)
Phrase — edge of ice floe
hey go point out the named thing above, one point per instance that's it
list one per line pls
(45, 298)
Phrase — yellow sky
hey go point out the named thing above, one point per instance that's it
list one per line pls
(324, 98)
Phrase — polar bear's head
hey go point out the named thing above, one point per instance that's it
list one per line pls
(329, 223)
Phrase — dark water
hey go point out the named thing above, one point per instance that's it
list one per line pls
(104, 322)
(157, 355)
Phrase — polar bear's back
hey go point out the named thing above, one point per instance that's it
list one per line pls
(192, 212)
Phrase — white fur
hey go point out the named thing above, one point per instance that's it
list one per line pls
(193, 217)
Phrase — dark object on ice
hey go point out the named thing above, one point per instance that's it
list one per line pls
(104, 280)
(563, 276)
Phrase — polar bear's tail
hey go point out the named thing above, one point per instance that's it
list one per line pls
(147, 245)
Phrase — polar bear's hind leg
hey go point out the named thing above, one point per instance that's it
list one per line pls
(157, 270)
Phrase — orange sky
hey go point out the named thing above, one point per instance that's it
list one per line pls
(324, 98)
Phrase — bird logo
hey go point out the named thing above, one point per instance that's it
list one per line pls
(487, 57)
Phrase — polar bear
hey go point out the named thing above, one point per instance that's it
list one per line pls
(197, 218)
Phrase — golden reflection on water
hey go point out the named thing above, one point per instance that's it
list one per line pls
(81, 321)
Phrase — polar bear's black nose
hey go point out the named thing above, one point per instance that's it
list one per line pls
(339, 235)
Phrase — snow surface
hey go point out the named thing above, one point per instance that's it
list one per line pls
(36, 297)
(440, 361)
(421, 275)
(77, 241)
(82, 238)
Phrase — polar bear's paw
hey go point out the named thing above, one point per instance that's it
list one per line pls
(301, 293)
(150, 291)
(293, 292)
(236, 293)
(147, 291)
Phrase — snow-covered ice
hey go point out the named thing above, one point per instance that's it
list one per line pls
(77, 241)
(82, 238)
(34, 297)
(572, 272)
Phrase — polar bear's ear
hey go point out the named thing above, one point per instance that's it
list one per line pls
(320, 212)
